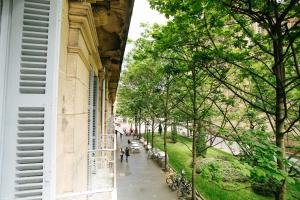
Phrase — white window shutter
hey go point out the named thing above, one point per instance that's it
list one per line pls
(92, 123)
(90, 111)
(95, 112)
(29, 133)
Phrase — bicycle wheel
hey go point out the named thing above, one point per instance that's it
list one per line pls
(174, 186)
(180, 191)
(188, 190)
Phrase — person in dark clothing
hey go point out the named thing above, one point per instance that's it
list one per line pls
(130, 131)
(129, 142)
(127, 153)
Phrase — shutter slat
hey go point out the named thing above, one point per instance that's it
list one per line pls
(30, 198)
(31, 140)
(34, 47)
(33, 52)
(33, 78)
(30, 173)
(25, 147)
(24, 180)
(37, 5)
(37, 29)
(32, 41)
(33, 71)
(38, 23)
(30, 134)
(33, 166)
(29, 193)
(33, 65)
(32, 84)
(28, 119)
(30, 186)
(37, 12)
(39, 1)
(29, 90)
(35, 34)
(30, 152)
(30, 160)
(37, 17)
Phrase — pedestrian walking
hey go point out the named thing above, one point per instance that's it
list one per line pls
(122, 154)
(127, 153)
(129, 142)
(131, 131)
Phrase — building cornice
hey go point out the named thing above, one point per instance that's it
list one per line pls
(81, 19)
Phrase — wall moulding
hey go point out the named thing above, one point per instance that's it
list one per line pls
(81, 19)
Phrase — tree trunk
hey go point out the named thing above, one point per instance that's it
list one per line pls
(194, 135)
(139, 132)
(147, 136)
(166, 126)
(194, 161)
(152, 132)
(187, 128)
(279, 71)
(135, 125)
(146, 133)
(200, 141)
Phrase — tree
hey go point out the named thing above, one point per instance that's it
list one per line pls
(193, 85)
(266, 61)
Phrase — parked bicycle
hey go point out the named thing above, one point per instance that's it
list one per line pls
(174, 181)
(185, 189)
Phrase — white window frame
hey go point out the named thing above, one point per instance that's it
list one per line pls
(5, 21)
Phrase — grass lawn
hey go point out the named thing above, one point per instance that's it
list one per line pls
(180, 158)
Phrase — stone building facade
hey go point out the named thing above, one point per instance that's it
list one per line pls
(60, 63)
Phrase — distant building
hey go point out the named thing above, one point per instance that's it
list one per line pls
(60, 64)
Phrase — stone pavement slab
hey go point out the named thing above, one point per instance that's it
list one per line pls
(140, 178)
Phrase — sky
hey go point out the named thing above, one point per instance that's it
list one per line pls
(142, 13)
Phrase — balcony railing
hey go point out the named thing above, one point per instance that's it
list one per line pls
(101, 173)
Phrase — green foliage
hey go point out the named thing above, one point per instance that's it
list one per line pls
(180, 158)
(223, 170)
(263, 157)
(219, 69)
(233, 188)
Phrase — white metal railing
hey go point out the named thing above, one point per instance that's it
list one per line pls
(101, 173)
(107, 141)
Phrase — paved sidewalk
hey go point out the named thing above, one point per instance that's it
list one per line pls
(140, 178)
